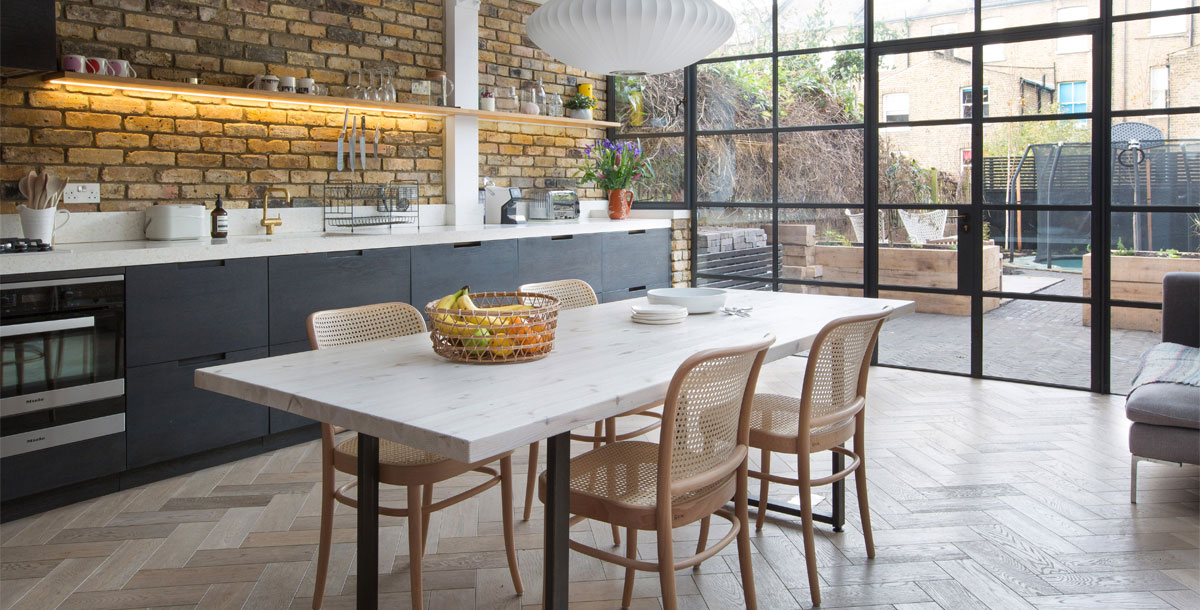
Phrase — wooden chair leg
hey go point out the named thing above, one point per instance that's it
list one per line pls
(630, 552)
(764, 487)
(510, 538)
(666, 567)
(426, 500)
(860, 482)
(610, 436)
(703, 541)
(742, 508)
(326, 539)
(810, 545)
(531, 479)
(415, 542)
(597, 434)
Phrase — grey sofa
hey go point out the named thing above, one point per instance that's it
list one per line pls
(1166, 416)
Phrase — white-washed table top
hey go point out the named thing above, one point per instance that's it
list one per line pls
(602, 365)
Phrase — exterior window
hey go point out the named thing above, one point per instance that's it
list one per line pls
(965, 168)
(967, 101)
(1159, 83)
(895, 107)
(1072, 96)
(1165, 26)
(943, 29)
(1073, 44)
(993, 52)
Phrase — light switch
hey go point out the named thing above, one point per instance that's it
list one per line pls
(82, 192)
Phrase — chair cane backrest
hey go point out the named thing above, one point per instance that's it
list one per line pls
(706, 416)
(571, 294)
(334, 327)
(835, 380)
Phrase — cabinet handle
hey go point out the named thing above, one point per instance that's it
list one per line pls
(469, 244)
(346, 254)
(637, 288)
(561, 237)
(201, 359)
(199, 264)
(637, 232)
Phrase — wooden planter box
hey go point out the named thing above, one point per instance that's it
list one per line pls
(926, 267)
(1135, 278)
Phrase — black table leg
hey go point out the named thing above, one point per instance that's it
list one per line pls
(839, 494)
(558, 521)
(368, 522)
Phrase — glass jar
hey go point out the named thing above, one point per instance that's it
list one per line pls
(554, 105)
(443, 87)
(529, 98)
(506, 99)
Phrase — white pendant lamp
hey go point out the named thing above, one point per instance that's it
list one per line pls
(629, 37)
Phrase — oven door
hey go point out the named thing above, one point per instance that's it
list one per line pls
(57, 361)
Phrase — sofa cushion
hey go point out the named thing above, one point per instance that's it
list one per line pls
(1165, 404)
(1166, 443)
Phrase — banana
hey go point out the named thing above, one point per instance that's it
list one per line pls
(445, 321)
(464, 300)
(448, 301)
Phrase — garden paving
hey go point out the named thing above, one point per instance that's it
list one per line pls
(1023, 339)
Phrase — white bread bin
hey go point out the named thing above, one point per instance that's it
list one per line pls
(175, 221)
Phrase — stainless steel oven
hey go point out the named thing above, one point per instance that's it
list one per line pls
(62, 382)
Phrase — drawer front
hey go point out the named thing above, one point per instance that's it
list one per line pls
(567, 257)
(186, 310)
(302, 284)
(167, 416)
(630, 293)
(636, 258)
(54, 467)
(438, 270)
(282, 420)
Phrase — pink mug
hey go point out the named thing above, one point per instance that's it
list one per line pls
(74, 63)
(98, 65)
(122, 68)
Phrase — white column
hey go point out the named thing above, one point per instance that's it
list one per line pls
(462, 133)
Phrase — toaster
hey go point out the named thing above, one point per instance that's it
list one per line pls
(176, 221)
(551, 205)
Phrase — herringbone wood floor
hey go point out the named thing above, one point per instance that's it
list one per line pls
(984, 495)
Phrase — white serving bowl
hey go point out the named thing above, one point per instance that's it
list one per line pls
(696, 300)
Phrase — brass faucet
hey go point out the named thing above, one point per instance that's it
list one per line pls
(271, 223)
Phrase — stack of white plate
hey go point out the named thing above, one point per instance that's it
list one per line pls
(659, 314)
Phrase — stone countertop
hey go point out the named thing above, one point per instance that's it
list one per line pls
(99, 255)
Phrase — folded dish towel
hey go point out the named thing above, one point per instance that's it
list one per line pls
(1169, 363)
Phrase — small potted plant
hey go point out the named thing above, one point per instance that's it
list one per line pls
(615, 167)
(487, 100)
(580, 106)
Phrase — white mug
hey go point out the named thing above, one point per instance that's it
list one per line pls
(265, 82)
(98, 65)
(287, 84)
(122, 68)
(40, 224)
(306, 86)
(74, 63)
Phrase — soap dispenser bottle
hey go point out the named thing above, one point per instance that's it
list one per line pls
(220, 221)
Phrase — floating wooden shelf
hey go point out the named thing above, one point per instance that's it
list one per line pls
(322, 101)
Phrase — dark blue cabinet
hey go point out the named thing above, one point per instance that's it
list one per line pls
(438, 270)
(543, 259)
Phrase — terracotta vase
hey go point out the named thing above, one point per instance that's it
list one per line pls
(620, 201)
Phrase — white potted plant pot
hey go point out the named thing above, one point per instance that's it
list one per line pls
(487, 103)
(581, 113)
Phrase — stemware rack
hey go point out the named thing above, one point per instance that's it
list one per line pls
(356, 206)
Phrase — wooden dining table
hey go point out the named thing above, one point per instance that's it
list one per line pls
(602, 365)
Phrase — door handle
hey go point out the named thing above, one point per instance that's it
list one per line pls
(49, 326)
(964, 223)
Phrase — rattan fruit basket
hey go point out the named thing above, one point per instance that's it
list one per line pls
(504, 328)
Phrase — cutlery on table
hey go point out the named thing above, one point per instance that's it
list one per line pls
(341, 146)
(741, 312)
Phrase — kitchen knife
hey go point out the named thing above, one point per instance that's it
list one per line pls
(362, 144)
(341, 147)
(353, 137)
(376, 140)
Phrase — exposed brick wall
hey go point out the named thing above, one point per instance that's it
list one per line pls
(147, 148)
(681, 252)
(529, 155)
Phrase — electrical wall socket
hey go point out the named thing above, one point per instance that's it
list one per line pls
(82, 192)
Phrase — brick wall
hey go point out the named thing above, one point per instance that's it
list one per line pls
(529, 155)
(147, 148)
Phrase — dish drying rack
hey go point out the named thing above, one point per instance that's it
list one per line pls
(357, 206)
